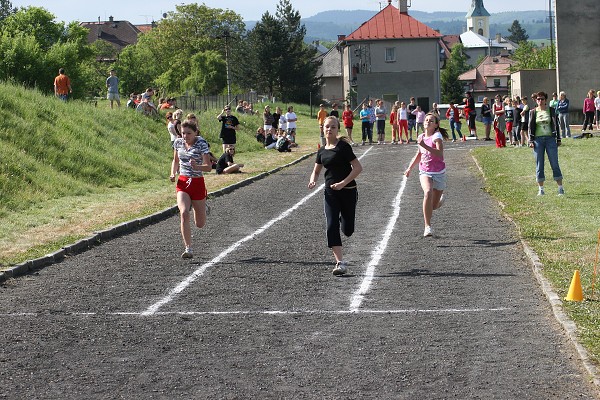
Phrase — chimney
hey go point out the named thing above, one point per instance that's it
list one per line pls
(99, 28)
(403, 6)
(498, 37)
(111, 19)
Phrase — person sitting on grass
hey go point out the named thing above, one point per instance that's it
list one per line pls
(226, 165)
(271, 139)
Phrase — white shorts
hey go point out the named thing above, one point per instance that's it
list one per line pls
(267, 128)
(439, 180)
(113, 96)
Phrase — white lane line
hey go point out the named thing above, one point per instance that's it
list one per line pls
(378, 251)
(268, 312)
(200, 271)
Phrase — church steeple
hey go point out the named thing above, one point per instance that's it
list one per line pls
(478, 19)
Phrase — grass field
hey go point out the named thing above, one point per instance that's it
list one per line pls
(70, 169)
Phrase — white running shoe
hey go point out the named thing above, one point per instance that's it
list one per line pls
(441, 202)
(187, 253)
(428, 231)
(340, 268)
(541, 192)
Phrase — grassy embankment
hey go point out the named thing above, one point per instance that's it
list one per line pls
(67, 170)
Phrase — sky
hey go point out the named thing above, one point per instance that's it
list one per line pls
(145, 11)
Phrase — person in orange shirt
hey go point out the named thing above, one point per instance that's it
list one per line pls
(321, 115)
(62, 85)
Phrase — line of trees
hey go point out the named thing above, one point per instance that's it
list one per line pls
(184, 53)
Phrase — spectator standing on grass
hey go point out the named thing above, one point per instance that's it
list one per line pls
(470, 114)
(291, 119)
(230, 124)
(544, 138)
(62, 85)
(341, 195)
(588, 111)
(372, 119)
(190, 160)
(276, 117)
(516, 131)
(334, 111)
(509, 117)
(453, 115)
(321, 115)
(486, 117)
(432, 168)
(394, 123)
(226, 165)
(412, 118)
(403, 121)
(365, 122)
(434, 109)
(499, 122)
(419, 120)
(348, 118)
(112, 85)
(267, 119)
(380, 117)
(525, 120)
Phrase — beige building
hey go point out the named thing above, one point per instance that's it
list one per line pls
(392, 56)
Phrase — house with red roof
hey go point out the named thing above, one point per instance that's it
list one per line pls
(394, 57)
(489, 78)
(119, 34)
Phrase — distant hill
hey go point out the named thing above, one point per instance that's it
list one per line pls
(327, 25)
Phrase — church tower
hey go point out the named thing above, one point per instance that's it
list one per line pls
(478, 19)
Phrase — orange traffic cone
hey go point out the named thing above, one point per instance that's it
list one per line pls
(575, 291)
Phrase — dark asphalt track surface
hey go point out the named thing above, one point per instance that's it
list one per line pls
(258, 315)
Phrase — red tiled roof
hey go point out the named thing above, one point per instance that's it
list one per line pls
(390, 23)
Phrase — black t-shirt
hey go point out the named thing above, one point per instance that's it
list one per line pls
(227, 131)
(223, 162)
(275, 123)
(411, 108)
(337, 163)
(335, 113)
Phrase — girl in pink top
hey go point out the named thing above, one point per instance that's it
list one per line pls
(588, 111)
(432, 168)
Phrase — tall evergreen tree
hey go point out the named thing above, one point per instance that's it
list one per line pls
(452, 89)
(517, 33)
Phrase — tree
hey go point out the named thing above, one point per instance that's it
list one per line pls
(529, 56)
(266, 44)
(207, 75)
(452, 89)
(168, 49)
(282, 64)
(6, 9)
(517, 33)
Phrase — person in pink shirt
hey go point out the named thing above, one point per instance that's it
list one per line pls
(588, 110)
(432, 168)
(420, 114)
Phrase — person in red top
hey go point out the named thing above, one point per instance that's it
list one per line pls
(588, 112)
(62, 85)
(348, 118)
(394, 124)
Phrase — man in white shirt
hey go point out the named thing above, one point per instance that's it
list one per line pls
(291, 119)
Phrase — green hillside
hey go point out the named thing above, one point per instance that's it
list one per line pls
(69, 169)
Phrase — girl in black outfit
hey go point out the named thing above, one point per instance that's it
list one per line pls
(341, 168)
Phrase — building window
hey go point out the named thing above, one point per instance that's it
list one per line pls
(496, 82)
(390, 54)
